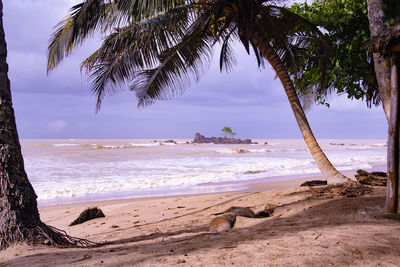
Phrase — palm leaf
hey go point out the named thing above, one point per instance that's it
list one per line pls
(128, 51)
(99, 17)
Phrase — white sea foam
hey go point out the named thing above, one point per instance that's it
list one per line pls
(145, 144)
(68, 144)
(240, 150)
(167, 144)
(60, 172)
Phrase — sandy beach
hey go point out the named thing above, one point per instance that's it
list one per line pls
(305, 230)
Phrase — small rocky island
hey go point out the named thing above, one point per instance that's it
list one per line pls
(200, 139)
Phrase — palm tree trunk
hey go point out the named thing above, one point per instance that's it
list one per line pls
(19, 215)
(393, 157)
(332, 175)
(18, 208)
(376, 18)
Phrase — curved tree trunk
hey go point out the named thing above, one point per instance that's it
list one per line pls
(376, 18)
(332, 175)
(19, 215)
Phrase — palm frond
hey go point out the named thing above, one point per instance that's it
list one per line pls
(178, 64)
(292, 36)
(131, 49)
(227, 55)
(83, 20)
(99, 17)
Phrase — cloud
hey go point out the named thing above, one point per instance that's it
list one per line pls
(248, 99)
(57, 126)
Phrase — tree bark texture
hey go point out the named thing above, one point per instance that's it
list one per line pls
(376, 17)
(18, 207)
(332, 175)
(392, 191)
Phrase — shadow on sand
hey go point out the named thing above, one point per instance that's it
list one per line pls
(315, 214)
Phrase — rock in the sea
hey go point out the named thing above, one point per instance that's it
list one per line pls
(87, 215)
(314, 183)
(201, 139)
(170, 141)
(374, 178)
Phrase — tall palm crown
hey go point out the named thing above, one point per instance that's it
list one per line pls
(156, 47)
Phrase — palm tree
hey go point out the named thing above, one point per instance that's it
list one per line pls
(157, 46)
(19, 216)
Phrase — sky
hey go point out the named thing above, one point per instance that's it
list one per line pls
(249, 100)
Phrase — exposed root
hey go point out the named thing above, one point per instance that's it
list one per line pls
(45, 235)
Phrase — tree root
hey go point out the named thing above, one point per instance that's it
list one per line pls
(45, 235)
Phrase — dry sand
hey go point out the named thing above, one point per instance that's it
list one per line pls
(304, 231)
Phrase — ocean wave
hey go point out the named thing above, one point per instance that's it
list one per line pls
(254, 172)
(145, 144)
(65, 145)
(364, 147)
(109, 147)
(286, 149)
(95, 173)
(240, 150)
(167, 144)
(132, 145)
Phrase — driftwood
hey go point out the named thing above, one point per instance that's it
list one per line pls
(314, 183)
(87, 215)
(241, 211)
(373, 178)
(265, 213)
(228, 218)
(223, 222)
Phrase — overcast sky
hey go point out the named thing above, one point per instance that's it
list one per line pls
(249, 100)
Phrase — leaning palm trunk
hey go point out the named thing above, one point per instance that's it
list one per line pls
(332, 175)
(158, 55)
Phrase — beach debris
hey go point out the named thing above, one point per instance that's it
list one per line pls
(87, 215)
(270, 206)
(253, 172)
(228, 218)
(241, 211)
(265, 213)
(314, 183)
(223, 222)
(373, 178)
(343, 190)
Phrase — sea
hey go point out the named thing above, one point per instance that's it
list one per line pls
(79, 170)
